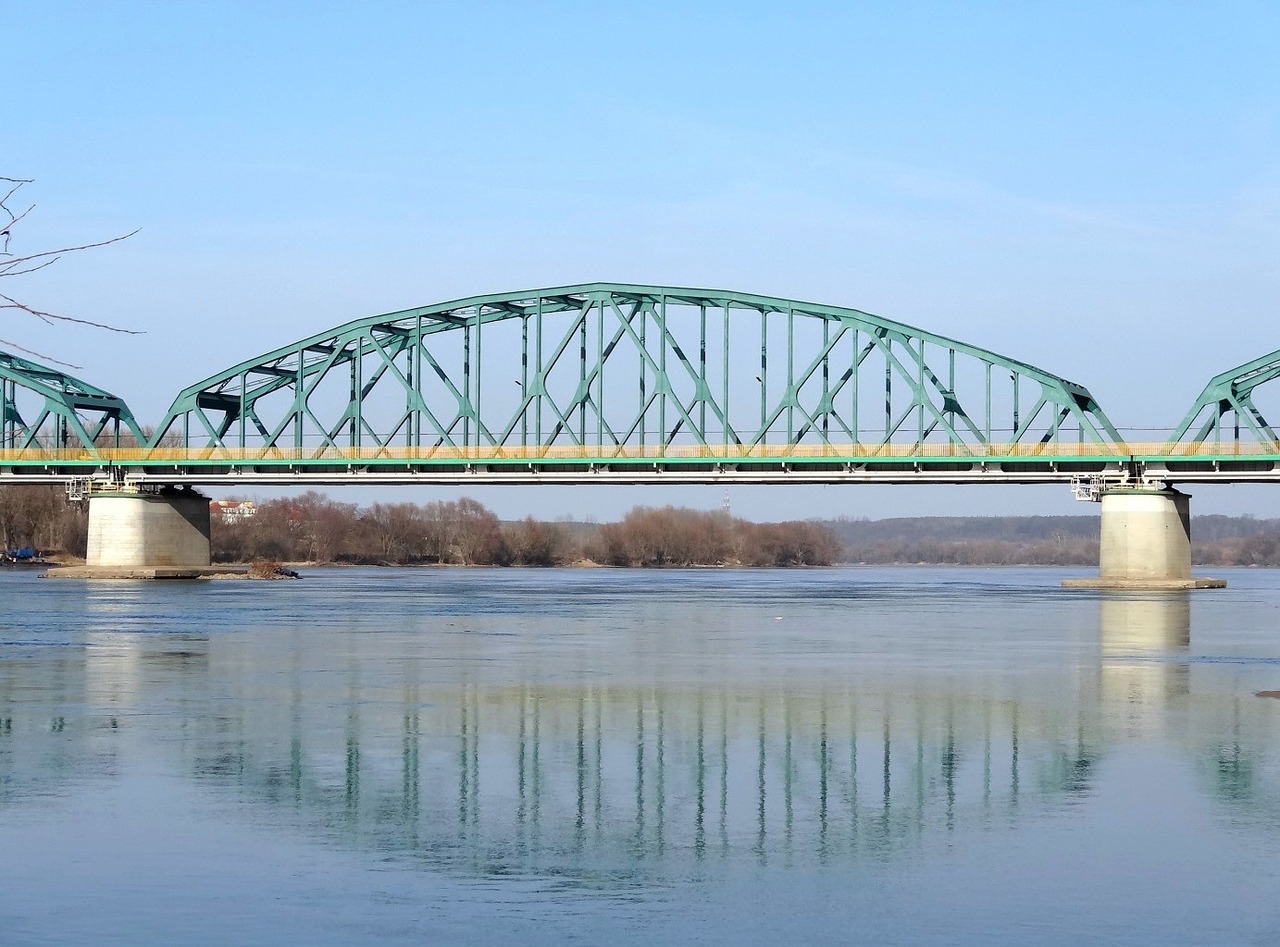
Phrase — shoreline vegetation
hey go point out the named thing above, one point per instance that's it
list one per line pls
(314, 529)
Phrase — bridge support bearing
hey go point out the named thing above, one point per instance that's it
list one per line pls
(1145, 543)
(147, 535)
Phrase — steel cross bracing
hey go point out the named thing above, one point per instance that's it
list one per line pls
(620, 382)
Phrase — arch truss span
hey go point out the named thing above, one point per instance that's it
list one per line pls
(610, 375)
(46, 413)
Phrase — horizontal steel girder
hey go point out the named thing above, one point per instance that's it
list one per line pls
(239, 477)
(1206, 462)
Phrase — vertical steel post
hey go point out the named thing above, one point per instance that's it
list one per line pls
(888, 399)
(540, 381)
(664, 383)
(600, 377)
(466, 384)
(791, 374)
(475, 405)
(951, 390)
(764, 374)
(1016, 386)
(826, 381)
(987, 423)
(702, 373)
(582, 377)
(415, 359)
(524, 380)
(920, 396)
(724, 374)
(853, 386)
(412, 377)
(352, 408)
(298, 404)
(357, 421)
(644, 347)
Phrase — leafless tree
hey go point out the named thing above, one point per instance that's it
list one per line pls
(533, 543)
(40, 516)
(396, 530)
(20, 263)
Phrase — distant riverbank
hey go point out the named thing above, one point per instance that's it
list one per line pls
(313, 528)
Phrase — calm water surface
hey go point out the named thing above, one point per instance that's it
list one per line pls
(869, 755)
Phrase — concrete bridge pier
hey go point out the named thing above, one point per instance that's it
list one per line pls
(147, 535)
(1145, 542)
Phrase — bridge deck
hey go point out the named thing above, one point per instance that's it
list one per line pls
(854, 463)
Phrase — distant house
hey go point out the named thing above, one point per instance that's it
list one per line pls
(232, 511)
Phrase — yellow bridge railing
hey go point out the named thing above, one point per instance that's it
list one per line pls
(624, 453)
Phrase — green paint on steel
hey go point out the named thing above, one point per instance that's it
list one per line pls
(1230, 396)
(66, 412)
(599, 365)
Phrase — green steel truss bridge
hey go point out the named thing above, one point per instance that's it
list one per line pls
(623, 383)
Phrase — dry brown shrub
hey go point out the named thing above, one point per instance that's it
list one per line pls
(264, 568)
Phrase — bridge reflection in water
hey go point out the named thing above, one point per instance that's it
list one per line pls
(533, 776)
(536, 777)
(618, 776)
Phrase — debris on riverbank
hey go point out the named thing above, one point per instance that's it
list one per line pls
(262, 569)
(271, 569)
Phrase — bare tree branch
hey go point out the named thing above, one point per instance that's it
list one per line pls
(40, 355)
(31, 269)
(25, 263)
(18, 260)
(4, 201)
(11, 303)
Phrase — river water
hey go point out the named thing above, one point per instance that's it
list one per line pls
(856, 755)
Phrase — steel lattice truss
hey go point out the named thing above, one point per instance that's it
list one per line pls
(603, 371)
(1227, 402)
(66, 412)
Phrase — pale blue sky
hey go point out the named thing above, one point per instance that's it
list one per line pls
(1090, 187)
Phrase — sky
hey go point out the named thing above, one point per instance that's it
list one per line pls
(1090, 187)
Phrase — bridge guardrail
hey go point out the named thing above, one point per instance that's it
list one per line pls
(623, 453)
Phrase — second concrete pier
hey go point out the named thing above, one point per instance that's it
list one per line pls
(1145, 542)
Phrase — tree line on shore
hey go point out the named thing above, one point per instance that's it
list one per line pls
(314, 527)
(1216, 540)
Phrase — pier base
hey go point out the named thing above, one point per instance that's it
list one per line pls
(1145, 543)
(161, 535)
